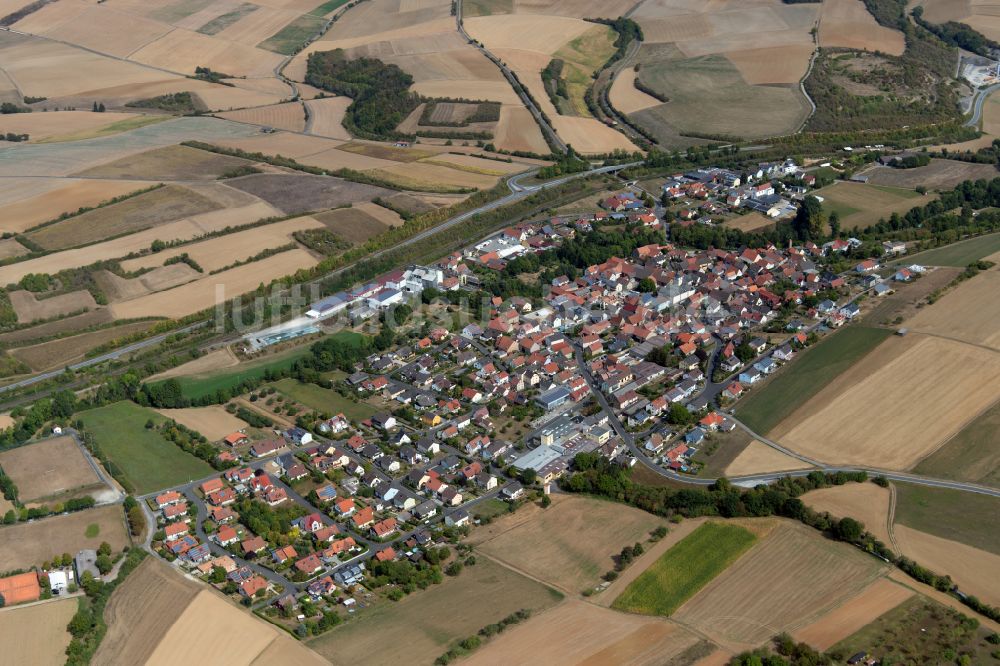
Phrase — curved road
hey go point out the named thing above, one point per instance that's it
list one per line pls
(977, 105)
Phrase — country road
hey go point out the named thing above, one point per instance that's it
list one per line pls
(977, 105)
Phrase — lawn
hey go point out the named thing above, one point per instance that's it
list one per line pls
(146, 459)
(765, 407)
(200, 386)
(962, 253)
(969, 518)
(324, 400)
(490, 508)
(684, 569)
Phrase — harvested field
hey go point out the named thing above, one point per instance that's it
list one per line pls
(384, 152)
(772, 65)
(49, 469)
(353, 225)
(138, 242)
(10, 248)
(34, 210)
(950, 514)
(475, 164)
(972, 455)
(861, 205)
(58, 327)
(938, 175)
(202, 294)
(759, 458)
(168, 163)
(848, 24)
(749, 222)
(968, 313)
(388, 217)
(97, 28)
(164, 277)
(580, 633)
(590, 136)
(29, 308)
(423, 625)
(64, 351)
(301, 193)
(972, 569)
(36, 634)
(225, 98)
(855, 614)
(326, 117)
(216, 253)
(213, 360)
(30, 544)
(433, 177)
(866, 502)
(847, 421)
(626, 98)
(539, 33)
(138, 213)
(571, 544)
(56, 126)
(288, 116)
(517, 131)
(791, 578)
(183, 50)
(213, 422)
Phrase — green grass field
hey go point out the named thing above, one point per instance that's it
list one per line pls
(765, 407)
(684, 569)
(200, 386)
(146, 459)
(971, 455)
(293, 36)
(324, 400)
(969, 518)
(327, 7)
(960, 254)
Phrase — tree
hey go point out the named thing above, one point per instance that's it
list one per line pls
(104, 564)
(646, 286)
(834, 224)
(809, 220)
(679, 414)
(104, 549)
(848, 529)
(745, 352)
(94, 109)
(528, 476)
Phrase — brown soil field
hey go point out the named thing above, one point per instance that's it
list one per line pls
(55, 124)
(183, 50)
(222, 251)
(570, 544)
(972, 569)
(626, 98)
(138, 242)
(352, 224)
(288, 116)
(144, 211)
(63, 351)
(10, 248)
(848, 24)
(717, 658)
(789, 579)
(213, 360)
(49, 468)
(873, 415)
(225, 98)
(97, 28)
(866, 502)
(77, 323)
(576, 632)
(326, 117)
(445, 179)
(939, 174)
(390, 218)
(164, 277)
(28, 544)
(749, 222)
(476, 164)
(26, 213)
(29, 308)
(36, 634)
(759, 458)
(213, 422)
(982, 15)
(385, 152)
(542, 34)
(201, 294)
(517, 130)
(303, 192)
(856, 613)
(772, 65)
(168, 163)
(969, 312)
(257, 25)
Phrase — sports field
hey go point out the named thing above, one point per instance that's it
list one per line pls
(31, 544)
(145, 458)
(685, 569)
(767, 405)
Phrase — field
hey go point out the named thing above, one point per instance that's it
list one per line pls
(759, 458)
(64, 351)
(950, 514)
(625, 97)
(855, 614)
(424, 624)
(31, 308)
(791, 578)
(168, 163)
(861, 205)
(685, 569)
(29, 544)
(767, 405)
(580, 633)
(301, 193)
(570, 544)
(968, 313)
(218, 359)
(145, 458)
(20, 214)
(749, 222)
(214, 422)
(51, 468)
(866, 502)
(326, 117)
(352, 224)
(962, 253)
(200, 383)
(980, 14)
(848, 24)
(57, 126)
(845, 422)
(288, 116)
(138, 213)
(324, 400)
(972, 569)
(37, 634)
(157, 616)
(971, 455)
(938, 175)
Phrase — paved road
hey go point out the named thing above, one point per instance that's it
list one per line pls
(977, 105)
